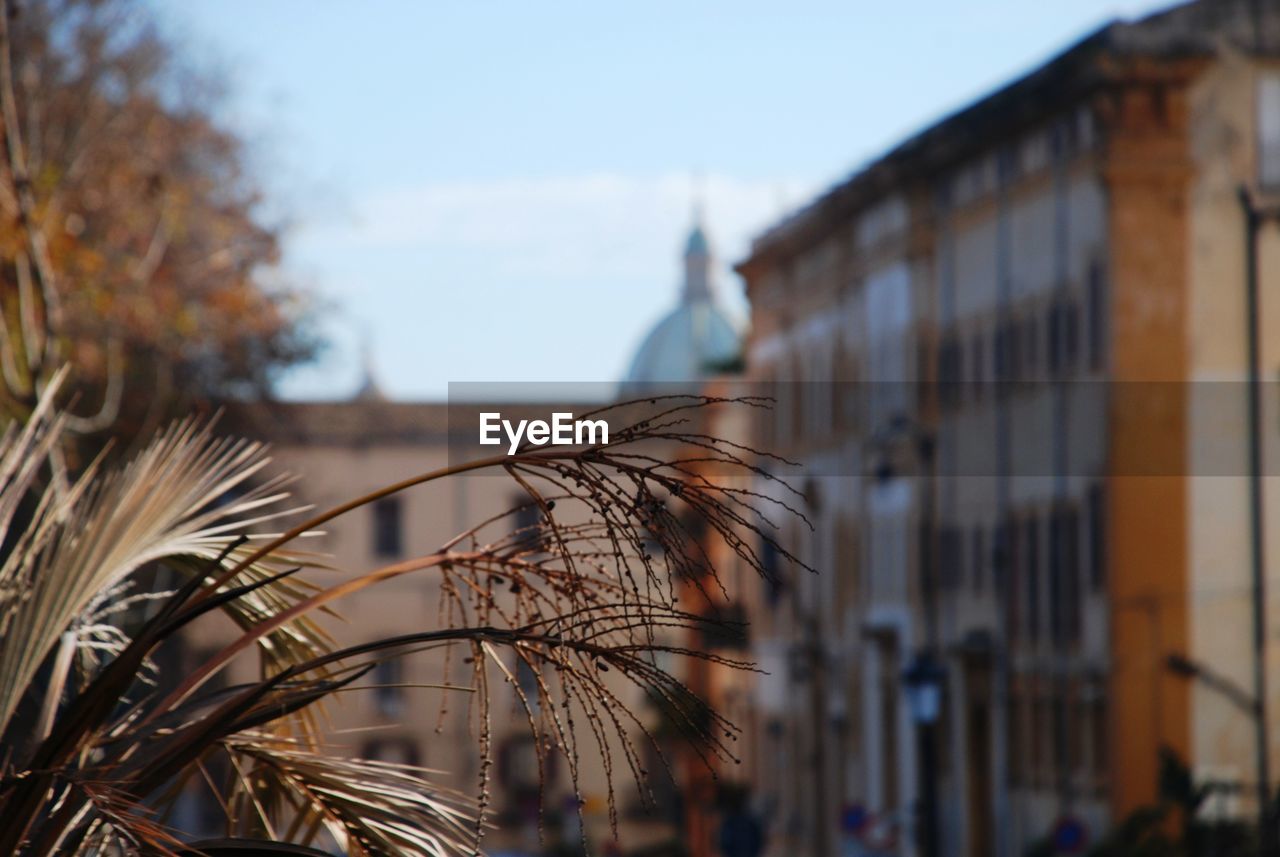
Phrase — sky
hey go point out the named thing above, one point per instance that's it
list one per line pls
(499, 191)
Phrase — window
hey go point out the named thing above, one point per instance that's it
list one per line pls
(979, 546)
(1006, 352)
(1041, 740)
(1097, 538)
(388, 695)
(1101, 746)
(527, 682)
(397, 751)
(525, 524)
(1064, 576)
(1061, 743)
(1030, 342)
(950, 371)
(387, 536)
(1031, 562)
(796, 397)
(838, 393)
(1077, 727)
(949, 553)
(1064, 322)
(1269, 131)
(1014, 578)
(1071, 572)
(925, 534)
(1000, 556)
(978, 366)
(771, 572)
(767, 417)
(1097, 302)
(1018, 773)
(924, 384)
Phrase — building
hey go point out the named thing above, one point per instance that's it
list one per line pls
(343, 449)
(694, 340)
(400, 713)
(1004, 352)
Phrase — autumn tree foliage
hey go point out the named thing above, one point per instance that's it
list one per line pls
(134, 244)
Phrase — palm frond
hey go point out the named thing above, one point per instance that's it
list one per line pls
(176, 503)
(376, 808)
(587, 601)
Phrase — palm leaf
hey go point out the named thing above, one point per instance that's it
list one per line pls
(167, 505)
(377, 808)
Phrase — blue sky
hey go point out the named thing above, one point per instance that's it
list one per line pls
(498, 191)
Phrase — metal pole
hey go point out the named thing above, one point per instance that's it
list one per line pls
(926, 448)
(1253, 221)
(928, 790)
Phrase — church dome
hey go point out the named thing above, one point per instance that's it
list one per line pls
(688, 344)
(694, 340)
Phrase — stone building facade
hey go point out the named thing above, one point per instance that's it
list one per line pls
(1007, 354)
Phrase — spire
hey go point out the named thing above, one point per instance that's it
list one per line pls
(697, 258)
(369, 390)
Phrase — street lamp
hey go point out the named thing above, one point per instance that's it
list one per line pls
(1255, 217)
(1229, 690)
(923, 683)
(923, 678)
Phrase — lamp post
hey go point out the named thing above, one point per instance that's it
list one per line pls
(924, 676)
(923, 682)
(1255, 216)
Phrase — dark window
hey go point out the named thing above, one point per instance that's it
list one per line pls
(796, 396)
(1042, 739)
(979, 547)
(840, 383)
(950, 371)
(924, 384)
(1030, 346)
(1014, 579)
(1101, 746)
(388, 695)
(1001, 364)
(1097, 538)
(1031, 563)
(1064, 576)
(1055, 579)
(1071, 570)
(1097, 298)
(525, 533)
(1007, 165)
(527, 682)
(396, 751)
(1017, 739)
(767, 416)
(949, 557)
(977, 366)
(927, 534)
(1061, 742)
(1064, 335)
(771, 571)
(387, 530)
(1000, 555)
(1006, 353)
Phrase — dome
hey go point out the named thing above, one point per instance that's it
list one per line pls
(685, 346)
(693, 340)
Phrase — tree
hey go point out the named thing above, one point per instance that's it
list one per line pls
(133, 243)
(96, 763)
